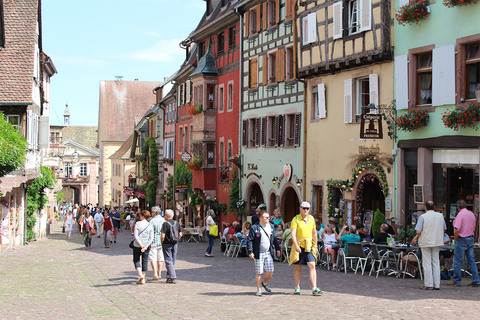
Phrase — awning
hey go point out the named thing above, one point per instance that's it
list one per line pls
(132, 200)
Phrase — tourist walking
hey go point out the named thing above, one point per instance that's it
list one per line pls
(69, 222)
(261, 246)
(430, 229)
(116, 218)
(304, 250)
(171, 234)
(107, 229)
(156, 252)
(211, 240)
(464, 225)
(87, 224)
(98, 217)
(143, 234)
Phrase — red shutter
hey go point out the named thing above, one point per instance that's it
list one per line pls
(298, 121)
(276, 132)
(246, 17)
(265, 69)
(280, 65)
(281, 130)
(265, 15)
(277, 11)
(259, 26)
(289, 10)
(257, 132)
(245, 133)
(264, 131)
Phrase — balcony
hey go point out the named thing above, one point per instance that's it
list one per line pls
(78, 179)
(204, 125)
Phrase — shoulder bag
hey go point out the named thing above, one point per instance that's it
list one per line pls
(131, 242)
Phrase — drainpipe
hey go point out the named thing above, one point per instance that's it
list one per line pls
(240, 104)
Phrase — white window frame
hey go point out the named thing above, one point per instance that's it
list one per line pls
(230, 85)
(221, 98)
(309, 28)
(83, 170)
(9, 118)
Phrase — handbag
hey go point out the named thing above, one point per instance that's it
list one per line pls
(131, 242)
(213, 230)
(92, 231)
(63, 229)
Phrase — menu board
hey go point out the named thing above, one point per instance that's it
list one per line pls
(418, 193)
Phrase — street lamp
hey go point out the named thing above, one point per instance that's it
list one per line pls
(275, 180)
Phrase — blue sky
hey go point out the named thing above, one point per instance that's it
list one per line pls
(93, 40)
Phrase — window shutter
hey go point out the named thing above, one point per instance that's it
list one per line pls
(322, 109)
(373, 85)
(337, 20)
(247, 24)
(401, 82)
(245, 133)
(347, 96)
(289, 10)
(30, 128)
(281, 65)
(253, 73)
(281, 130)
(188, 90)
(265, 15)
(265, 69)
(277, 132)
(305, 30)
(443, 76)
(277, 11)
(298, 121)
(312, 27)
(259, 26)
(35, 131)
(264, 131)
(257, 132)
(365, 7)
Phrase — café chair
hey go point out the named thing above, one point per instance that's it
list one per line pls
(355, 253)
(412, 258)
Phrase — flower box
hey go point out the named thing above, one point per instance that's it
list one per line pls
(458, 3)
(413, 12)
(462, 118)
(195, 109)
(196, 163)
(412, 120)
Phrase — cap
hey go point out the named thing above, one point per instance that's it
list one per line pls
(305, 204)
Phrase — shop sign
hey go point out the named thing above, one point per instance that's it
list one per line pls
(371, 126)
(287, 171)
(128, 191)
(186, 157)
(51, 162)
(180, 188)
(140, 194)
(252, 166)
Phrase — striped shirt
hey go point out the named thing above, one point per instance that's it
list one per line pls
(157, 222)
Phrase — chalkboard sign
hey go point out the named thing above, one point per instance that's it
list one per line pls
(418, 193)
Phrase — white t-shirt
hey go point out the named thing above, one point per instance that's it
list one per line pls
(69, 218)
(98, 217)
(265, 241)
(209, 221)
(328, 239)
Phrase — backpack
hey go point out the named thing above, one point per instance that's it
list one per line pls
(173, 231)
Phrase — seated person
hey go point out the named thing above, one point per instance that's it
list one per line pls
(287, 235)
(348, 235)
(231, 231)
(320, 227)
(279, 232)
(446, 254)
(381, 237)
(329, 239)
(246, 228)
(238, 233)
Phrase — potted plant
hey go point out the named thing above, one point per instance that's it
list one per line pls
(412, 120)
(462, 117)
(458, 3)
(195, 163)
(196, 109)
(413, 12)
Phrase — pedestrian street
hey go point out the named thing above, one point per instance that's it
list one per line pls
(55, 278)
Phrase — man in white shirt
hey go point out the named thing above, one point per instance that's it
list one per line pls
(98, 217)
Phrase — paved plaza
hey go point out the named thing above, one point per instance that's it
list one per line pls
(56, 278)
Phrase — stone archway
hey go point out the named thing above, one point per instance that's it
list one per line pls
(254, 197)
(290, 203)
(272, 202)
(369, 195)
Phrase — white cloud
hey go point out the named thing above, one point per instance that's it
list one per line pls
(162, 51)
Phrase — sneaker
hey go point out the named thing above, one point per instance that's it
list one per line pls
(473, 284)
(316, 291)
(266, 287)
(258, 293)
(169, 280)
(297, 290)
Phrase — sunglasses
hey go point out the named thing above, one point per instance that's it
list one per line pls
(304, 208)
(268, 218)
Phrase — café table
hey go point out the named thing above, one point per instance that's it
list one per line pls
(191, 234)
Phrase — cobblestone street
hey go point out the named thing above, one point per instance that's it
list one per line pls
(55, 278)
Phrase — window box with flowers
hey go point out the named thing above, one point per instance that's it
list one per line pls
(412, 120)
(195, 109)
(413, 12)
(463, 117)
(196, 163)
(458, 3)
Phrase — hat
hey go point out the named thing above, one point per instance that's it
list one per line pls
(305, 204)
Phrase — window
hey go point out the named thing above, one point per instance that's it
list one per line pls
(358, 94)
(191, 138)
(289, 68)
(472, 70)
(253, 20)
(253, 73)
(353, 23)
(363, 97)
(68, 169)
(351, 17)
(201, 49)
(220, 43)
(251, 133)
(424, 79)
(272, 68)
(309, 28)
(273, 13)
(210, 154)
(229, 152)
(83, 170)
(220, 98)
(272, 132)
(230, 97)
(222, 154)
(231, 38)
(180, 141)
(14, 120)
(185, 144)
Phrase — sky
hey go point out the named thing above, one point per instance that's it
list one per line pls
(94, 40)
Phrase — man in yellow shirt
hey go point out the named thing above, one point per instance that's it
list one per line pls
(304, 250)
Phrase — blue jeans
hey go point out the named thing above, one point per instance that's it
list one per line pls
(170, 255)
(464, 246)
(211, 242)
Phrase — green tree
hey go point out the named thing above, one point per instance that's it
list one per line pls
(36, 198)
(235, 194)
(13, 147)
(378, 220)
(149, 149)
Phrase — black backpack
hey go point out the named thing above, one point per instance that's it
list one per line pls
(173, 230)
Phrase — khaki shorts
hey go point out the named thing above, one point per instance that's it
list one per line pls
(156, 254)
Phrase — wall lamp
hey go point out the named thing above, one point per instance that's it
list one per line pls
(275, 180)
(299, 182)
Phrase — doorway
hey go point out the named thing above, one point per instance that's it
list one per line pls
(256, 197)
(290, 204)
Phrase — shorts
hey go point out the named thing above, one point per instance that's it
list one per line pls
(114, 231)
(264, 262)
(329, 250)
(305, 257)
(156, 254)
